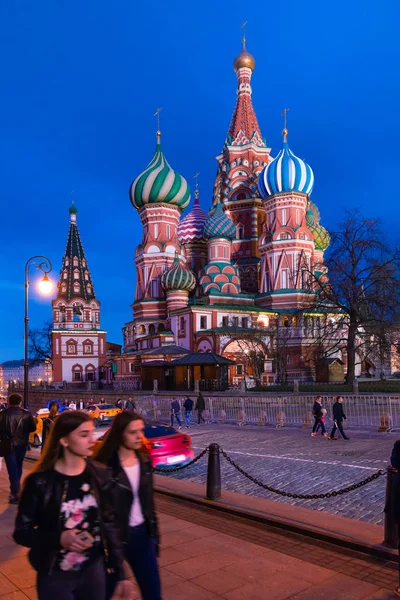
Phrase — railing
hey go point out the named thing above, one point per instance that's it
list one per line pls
(377, 411)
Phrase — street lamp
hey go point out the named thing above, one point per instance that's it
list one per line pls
(45, 287)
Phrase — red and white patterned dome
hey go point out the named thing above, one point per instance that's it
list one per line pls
(191, 227)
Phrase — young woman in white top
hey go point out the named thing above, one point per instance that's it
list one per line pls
(132, 489)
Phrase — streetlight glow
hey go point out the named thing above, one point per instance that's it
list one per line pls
(45, 285)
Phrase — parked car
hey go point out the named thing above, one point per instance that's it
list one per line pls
(167, 446)
(102, 413)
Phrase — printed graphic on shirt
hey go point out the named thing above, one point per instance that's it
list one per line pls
(79, 511)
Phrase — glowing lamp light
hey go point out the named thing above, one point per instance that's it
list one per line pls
(45, 285)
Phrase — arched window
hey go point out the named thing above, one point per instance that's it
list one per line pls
(240, 231)
(63, 287)
(77, 287)
(285, 322)
(76, 261)
(152, 329)
(142, 330)
(241, 196)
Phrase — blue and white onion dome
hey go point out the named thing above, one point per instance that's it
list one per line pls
(159, 183)
(178, 277)
(219, 225)
(286, 173)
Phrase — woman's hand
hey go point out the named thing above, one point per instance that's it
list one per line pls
(123, 591)
(69, 540)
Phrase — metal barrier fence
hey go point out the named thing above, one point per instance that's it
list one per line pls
(375, 411)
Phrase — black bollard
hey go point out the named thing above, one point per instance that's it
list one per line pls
(213, 473)
(391, 535)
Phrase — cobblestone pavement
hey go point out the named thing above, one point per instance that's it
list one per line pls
(291, 460)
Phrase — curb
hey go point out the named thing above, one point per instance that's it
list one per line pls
(376, 551)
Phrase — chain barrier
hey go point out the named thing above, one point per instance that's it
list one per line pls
(189, 464)
(333, 494)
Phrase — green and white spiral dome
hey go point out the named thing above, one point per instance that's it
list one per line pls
(159, 183)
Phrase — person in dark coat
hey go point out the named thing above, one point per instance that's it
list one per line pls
(48, 422)
(200, 407)
(338, 416)
(188, 406)
(318, 417)
(175, 412)
(16, 423)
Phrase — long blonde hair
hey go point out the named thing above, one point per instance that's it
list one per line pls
(65, 424)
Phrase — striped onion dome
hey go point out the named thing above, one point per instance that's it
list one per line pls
(322, 239)
(219, 225)
(286, 173)
(178, 277)
(312, 214)
(159, 183)
(191, 227)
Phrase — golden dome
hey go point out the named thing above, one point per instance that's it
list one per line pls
(244, 59)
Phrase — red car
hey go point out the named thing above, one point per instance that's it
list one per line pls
(166, 446)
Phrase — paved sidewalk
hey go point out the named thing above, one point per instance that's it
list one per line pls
(208, 556)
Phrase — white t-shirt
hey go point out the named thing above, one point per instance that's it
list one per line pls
(136, 516)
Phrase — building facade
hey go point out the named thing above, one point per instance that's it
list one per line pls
(235, 281)
(79, 348)
(12, 371)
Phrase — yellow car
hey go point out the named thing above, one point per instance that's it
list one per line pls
(102, 413)
(35, 438)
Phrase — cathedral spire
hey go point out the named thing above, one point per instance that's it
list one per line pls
(75, 278)
(244, 128)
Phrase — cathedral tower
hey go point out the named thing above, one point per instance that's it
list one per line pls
(159, 194)
(242, 158)
(78, 343)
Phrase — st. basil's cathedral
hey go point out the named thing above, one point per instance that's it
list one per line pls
(206, 283)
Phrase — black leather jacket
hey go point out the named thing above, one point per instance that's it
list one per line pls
(38, 525)
(123, 496)
(16, 423)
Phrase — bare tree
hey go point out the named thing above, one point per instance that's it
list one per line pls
(362, 284)
(40, 342)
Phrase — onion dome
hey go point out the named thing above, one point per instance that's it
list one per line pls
(178, 277)
(244, 59)
(72, 209)
(219, 225)
(312, 214)
(321, 236)
(286, 173)
(190, 229)
(159, 183)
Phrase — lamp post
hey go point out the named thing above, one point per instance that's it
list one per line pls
(45, 287)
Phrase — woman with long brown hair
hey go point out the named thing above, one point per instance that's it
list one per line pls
(48, 421)
(133, 499)
(65, 517)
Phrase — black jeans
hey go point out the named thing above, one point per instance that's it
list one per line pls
(141, 554)
(14, 463)
(86, 584)
(338, 425)
(200, 417)
(317, 421)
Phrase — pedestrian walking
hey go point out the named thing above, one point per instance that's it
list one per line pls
(129, 404)
(318, 417)
(48, 422)
(16, 423)
(118, 403)
(200, 407)
(188, 406)
(133, 499)
(72, 406)
(66, 517)
(338, 416)
(394, 506)
(175, 412)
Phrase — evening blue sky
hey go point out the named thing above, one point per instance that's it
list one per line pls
(82, 79)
